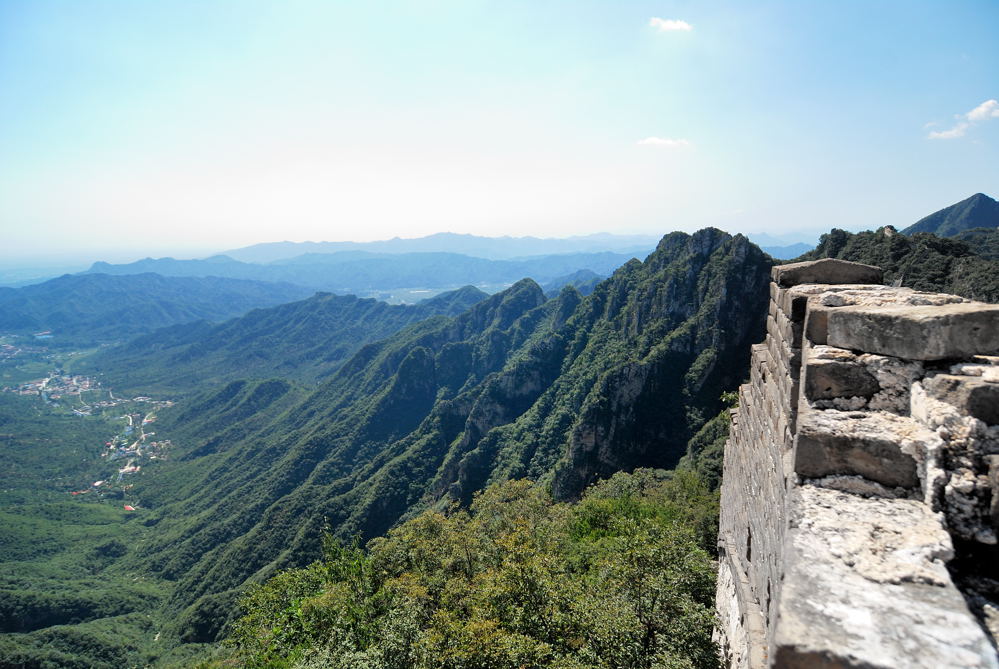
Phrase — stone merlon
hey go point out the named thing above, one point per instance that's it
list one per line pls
(860, 495)
(827, 270)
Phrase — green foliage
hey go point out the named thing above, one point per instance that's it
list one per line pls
(706, 449)
(304, 340)
(922, 261)
(983, 241)
(67, 599)
(617, 580)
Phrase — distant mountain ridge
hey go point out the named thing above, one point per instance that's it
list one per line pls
(302, 341)
(584, 280)
(978, 211)
(103, 306)
(366, 273)
(789, 251)
(490, 248)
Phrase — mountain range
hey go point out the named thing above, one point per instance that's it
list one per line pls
(97, 306)
(370, 274)
(566, 390)
(490, 248)
(304, 340)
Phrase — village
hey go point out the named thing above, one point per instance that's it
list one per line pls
(129, 449)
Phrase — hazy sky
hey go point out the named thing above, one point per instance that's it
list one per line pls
(156, 127)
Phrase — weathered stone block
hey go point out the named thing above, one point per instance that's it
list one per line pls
(826, 379)
(877, 446)
(865, 585)
(917, 332)
(971, 395)
(826, 270)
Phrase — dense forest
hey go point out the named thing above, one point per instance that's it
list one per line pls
(623, 578)
(922, 261)
(304, 341)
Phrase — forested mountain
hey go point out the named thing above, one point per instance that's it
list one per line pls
(978, 211)
(983, 241)
(492, 248)
(565, 391)
(365, 273)
(98, 306)
(584, 281)
(304, 340)
(921, 261)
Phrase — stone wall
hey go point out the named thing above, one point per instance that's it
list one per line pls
(859, 503)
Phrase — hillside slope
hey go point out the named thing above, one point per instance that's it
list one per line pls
(565, 391)
(100, 306)
(978, 211)
(304, 340)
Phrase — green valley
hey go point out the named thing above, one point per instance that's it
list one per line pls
(564, 391)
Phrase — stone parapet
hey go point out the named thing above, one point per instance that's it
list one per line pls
(861, 479)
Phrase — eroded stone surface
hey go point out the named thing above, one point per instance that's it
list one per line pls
(826, 379)
(973, 396)
(932, 332)
(878, 446)
(866, 586)
(956, 479)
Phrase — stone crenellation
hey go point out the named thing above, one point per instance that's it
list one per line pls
(860, 496)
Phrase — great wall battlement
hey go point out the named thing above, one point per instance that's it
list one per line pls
(860, 502)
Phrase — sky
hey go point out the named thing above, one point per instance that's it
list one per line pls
(132, 128)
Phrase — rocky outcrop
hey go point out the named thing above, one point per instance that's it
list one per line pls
(859, 513)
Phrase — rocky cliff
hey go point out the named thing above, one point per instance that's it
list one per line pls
(859, 513)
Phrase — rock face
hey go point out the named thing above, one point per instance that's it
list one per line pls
(861, 480)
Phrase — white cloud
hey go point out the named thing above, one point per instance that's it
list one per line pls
(983, 112)
(986, 110)
(669, 25)
(957, 131)
(665, 142)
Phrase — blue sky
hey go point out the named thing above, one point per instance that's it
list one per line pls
(146, 128)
